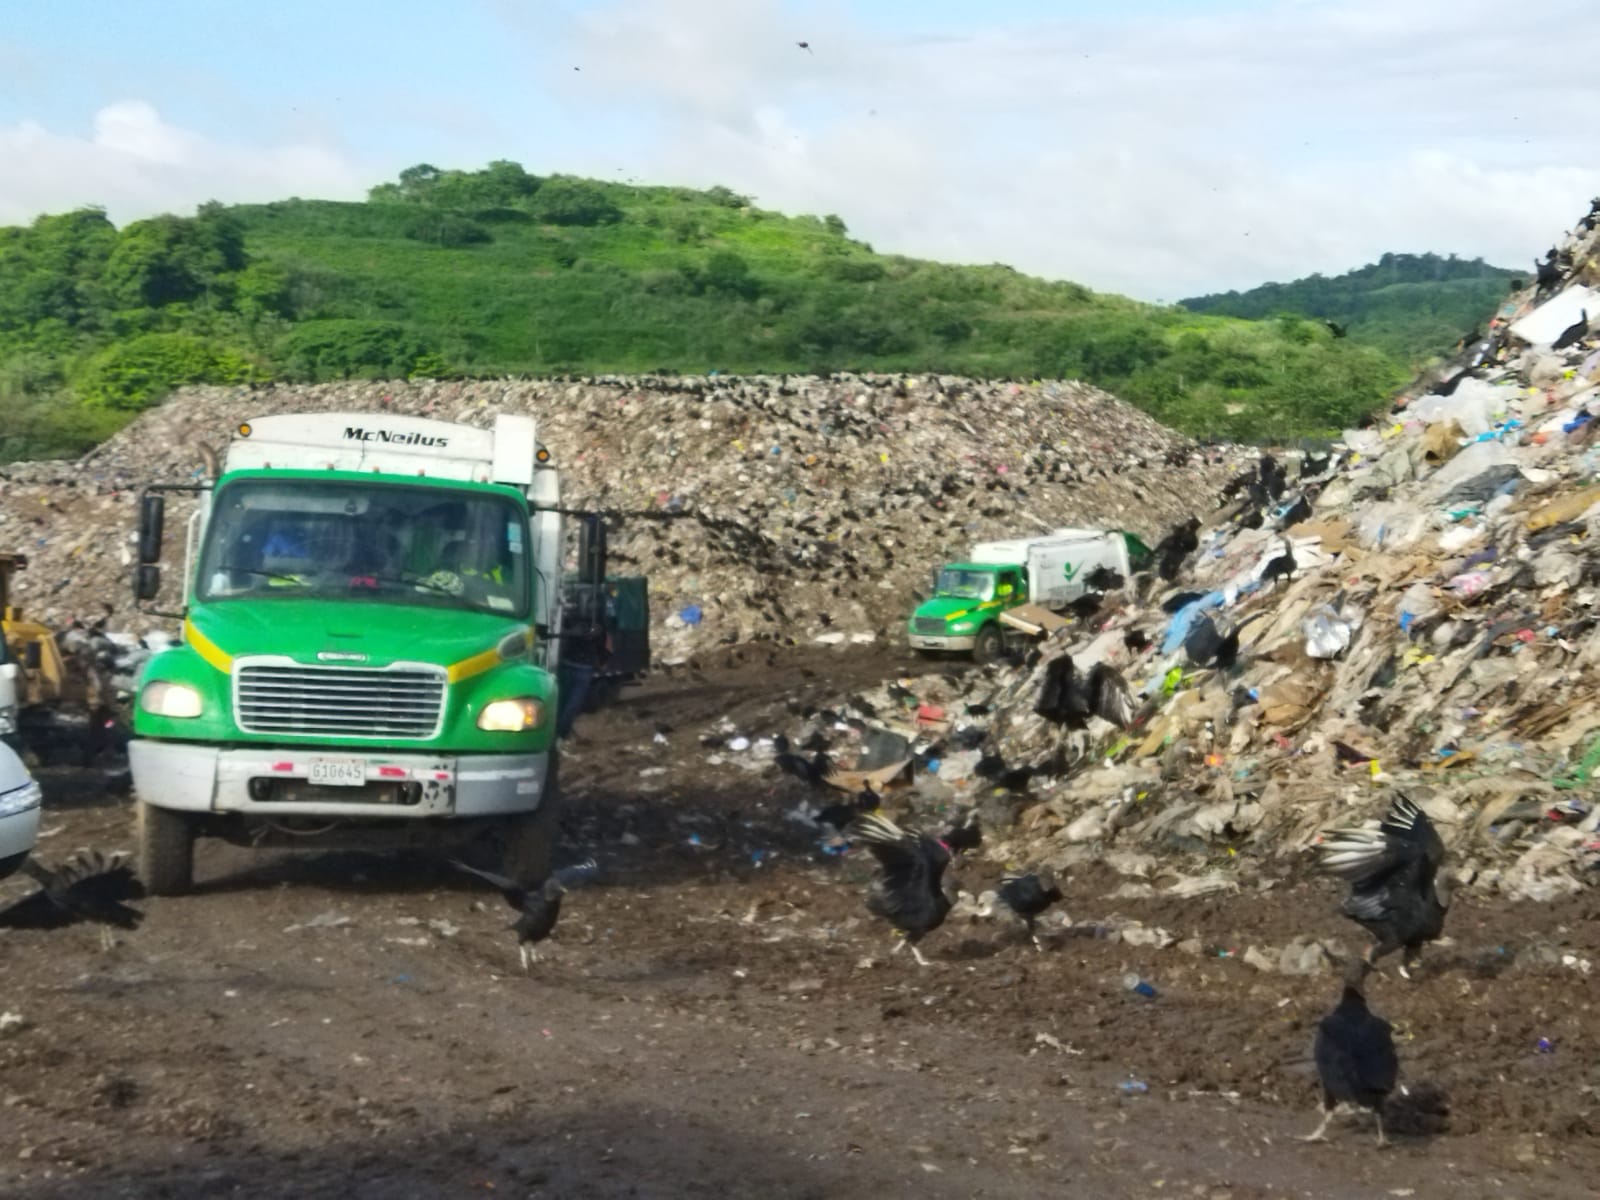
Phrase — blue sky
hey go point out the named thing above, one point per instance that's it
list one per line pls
(1154, 147)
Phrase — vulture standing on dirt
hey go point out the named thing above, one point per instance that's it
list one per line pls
(1355, 1055)
(1397, 893)
(837, 817)
(1028, 896)
(813, 771)
(1069, 697)
(909, 894)
(90, 886)
(965, 835)
(539, 906)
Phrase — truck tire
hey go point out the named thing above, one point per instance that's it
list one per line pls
(166, 850)
(528, 841)
(986, 647)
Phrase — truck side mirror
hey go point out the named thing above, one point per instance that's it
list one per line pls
(592, 550)
(33, 656)
(152, 514)
(147, 582)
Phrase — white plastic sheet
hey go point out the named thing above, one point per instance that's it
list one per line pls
(1545, 323)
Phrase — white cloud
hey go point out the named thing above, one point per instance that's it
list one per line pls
(1158, 158)
(134, 164)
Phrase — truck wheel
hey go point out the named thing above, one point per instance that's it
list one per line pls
(987, 646)
(528, 842)
(166, 851)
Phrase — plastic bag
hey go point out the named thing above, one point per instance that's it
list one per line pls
(1327, 633)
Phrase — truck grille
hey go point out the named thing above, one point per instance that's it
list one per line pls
(931, 626)
(369, 702)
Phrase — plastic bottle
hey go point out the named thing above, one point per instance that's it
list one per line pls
(1134, 984)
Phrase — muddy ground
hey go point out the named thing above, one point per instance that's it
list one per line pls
(719, 1017)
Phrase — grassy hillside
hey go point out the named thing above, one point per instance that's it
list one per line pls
(450, 273)
(1410, 306)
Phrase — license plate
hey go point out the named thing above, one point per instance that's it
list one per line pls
(339, 772)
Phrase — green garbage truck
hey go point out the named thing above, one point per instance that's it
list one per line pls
(373, 628)
(963, 614)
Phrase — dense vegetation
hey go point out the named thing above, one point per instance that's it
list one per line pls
(454, 273)
(1411, 306)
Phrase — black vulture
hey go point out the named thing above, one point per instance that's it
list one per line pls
(1283, 566)
(1574, 333)
(1028, 896)
(1396, 890)
(89, 886)
(1069, 697)
(814, 770)
(1354, 1049)
(909, 893)
(539, 907)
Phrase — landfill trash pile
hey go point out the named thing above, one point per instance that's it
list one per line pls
(1414, 611)
(790, 508)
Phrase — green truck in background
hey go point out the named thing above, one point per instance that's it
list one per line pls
(963, 614)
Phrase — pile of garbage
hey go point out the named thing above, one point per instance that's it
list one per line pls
(1416, 609)
(786, 508)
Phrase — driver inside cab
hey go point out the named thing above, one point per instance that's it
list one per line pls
(479, 573)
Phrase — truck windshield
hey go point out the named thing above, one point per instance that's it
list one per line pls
(424, 546)
(969, 585)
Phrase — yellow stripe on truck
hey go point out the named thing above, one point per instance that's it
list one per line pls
(479, 663)
(206, 648)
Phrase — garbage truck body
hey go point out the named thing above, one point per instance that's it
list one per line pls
(963, 614)
(370, 645)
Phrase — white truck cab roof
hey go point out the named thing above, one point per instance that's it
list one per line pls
(389, 443)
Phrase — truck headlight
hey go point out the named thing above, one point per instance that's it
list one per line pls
(962, 626)
(20, 800)
(164, 699)
(512, 716)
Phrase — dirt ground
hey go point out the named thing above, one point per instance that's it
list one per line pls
(719, 1017)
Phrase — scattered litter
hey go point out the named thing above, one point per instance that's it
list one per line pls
(1055, 1043)
(325, 920)
(1138, 986)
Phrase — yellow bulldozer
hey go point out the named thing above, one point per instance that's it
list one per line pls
(55, 696)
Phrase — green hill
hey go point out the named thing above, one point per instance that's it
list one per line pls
(1410, 306)
(492, 272)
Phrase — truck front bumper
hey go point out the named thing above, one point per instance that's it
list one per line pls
(269, 781)
(922, 641)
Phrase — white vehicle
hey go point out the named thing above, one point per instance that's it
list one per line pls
(10, 706)
(19, 811)
(1056, 564)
